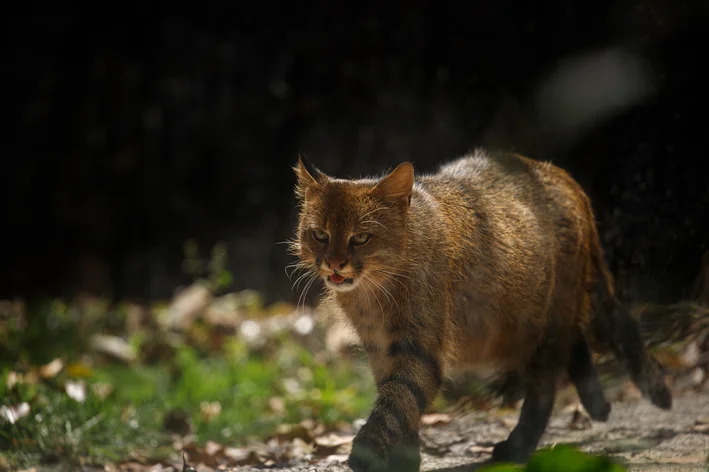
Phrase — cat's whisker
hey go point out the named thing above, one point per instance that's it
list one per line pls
(393, 276)
(365, 281)
(375, 223)
(386, 292)
(300, 297)
(377, 209)
(296, 267)
(304, 294)
(296, 284)
(390, 273)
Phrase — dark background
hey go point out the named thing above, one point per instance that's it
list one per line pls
(134, 128)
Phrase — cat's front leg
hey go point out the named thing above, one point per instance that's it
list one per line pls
(408, 383)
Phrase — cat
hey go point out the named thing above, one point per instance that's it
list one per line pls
(493, 262)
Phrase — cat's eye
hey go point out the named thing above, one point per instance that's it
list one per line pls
(360, 239)
(320, 236)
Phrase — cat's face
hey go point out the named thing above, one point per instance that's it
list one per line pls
(351, 233)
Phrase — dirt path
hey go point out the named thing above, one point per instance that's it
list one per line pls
(641, 436)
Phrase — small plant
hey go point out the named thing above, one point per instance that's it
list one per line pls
(561, 459)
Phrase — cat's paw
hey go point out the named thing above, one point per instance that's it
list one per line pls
(506, 451)
(370, 455)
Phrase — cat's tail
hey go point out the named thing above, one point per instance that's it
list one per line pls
(614, 326)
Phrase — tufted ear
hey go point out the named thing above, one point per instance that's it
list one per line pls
(309, 177)
(398, 185)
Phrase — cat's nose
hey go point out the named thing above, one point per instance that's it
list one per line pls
(336, 262)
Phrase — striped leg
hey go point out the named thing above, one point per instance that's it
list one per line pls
(389, 440)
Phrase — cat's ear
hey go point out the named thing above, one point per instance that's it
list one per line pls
(308, 175)
(398, 185)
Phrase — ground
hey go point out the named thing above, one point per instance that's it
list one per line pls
(637, 434)
(238, 385)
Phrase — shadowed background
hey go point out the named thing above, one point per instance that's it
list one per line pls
(138, 128)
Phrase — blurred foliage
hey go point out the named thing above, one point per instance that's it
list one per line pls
(561, 459)
(231, 388)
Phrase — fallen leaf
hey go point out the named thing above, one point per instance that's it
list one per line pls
(288, 432)
(16, 378)
(240, 455)
(336, 459)
(113, 346)
(188, 305)
(210, 410)
(51, 370)
(701, 425)
(436, 419)
(299, 448)
(13, 378)
(333, 444)
(334, 440)
(212, 448)
(277, 405)
(79, 370)
(102, 390)
(76, 390)
(14, 412)
(475, 449)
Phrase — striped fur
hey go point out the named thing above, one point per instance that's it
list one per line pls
(494, 262)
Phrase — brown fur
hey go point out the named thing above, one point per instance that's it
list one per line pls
(494, 262)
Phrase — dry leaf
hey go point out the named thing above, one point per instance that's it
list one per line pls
(51, 370)
(333, 444)
(299, 448)
(277, 405)
(336, 459)
(102, 390)
(288, 432)
(436, 419)
(334, 440)
(701, 425)
(475, 449)
(209, 410)
(79, 370)
(240, 455)
(188, 305)
(13, 378)
(76, 390)
(113, 346)
(212, 448)
(14, 412)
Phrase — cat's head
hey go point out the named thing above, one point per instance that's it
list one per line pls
(352, 233)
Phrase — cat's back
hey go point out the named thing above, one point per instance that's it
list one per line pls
(483, 171)
(499, 182)
(509, 203)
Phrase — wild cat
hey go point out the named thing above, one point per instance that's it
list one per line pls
(494, 260)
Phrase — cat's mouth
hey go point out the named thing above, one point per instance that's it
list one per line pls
(339, 279)
(341, 282)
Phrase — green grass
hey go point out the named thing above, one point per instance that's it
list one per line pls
(560, 459)
(129, 421)
(256, 387)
